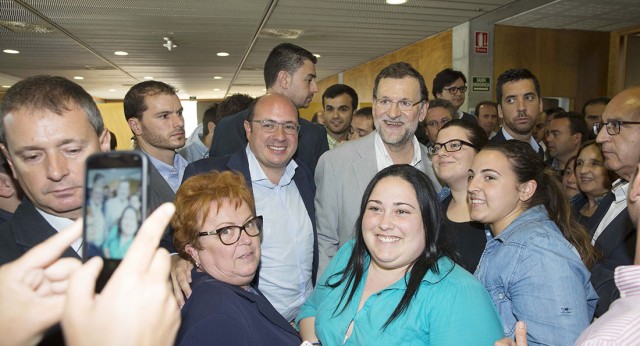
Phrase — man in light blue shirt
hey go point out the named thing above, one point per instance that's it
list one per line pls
(154, 114)
(283, 190)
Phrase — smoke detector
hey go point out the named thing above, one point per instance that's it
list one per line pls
(169, 43)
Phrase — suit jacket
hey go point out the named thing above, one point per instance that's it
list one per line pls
(158, 192)
(26, 229)
(469, 117)
(218, 313)
(229, 136)
(341, 177)
(499, 137)
(618, 245)
(238, 162)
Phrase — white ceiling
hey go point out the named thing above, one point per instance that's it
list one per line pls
(84, 34)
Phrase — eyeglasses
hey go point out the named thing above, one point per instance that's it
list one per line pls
(455, 90)
(450, 146)
(271, 126)
(230, 235)
(613, 127)
(404, 105)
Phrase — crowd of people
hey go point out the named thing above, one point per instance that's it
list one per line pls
(407, 222)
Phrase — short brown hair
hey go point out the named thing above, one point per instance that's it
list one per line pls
(193, 202)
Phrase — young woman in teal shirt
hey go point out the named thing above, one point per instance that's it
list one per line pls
(394, 283)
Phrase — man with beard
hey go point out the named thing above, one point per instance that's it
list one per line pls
(154, 113)
(290, 71)
(339, 102)
(400, 101)
(519, 103)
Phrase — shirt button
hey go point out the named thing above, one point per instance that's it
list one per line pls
(501, 295)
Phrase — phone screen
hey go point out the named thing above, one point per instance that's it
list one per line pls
(114, 207)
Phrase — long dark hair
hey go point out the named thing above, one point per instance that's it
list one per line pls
(527, 165)
(436, 244)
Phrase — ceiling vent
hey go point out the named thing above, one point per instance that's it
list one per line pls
(25, 27)
(280, 33)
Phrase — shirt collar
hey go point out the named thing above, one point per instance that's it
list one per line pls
(258, 176)
(532, 141)
(179, 164)
(620, 188)
(381, 152)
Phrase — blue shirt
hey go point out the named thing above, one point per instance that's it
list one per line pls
(449, 308)
(535, 275)
(286, 260)
(171, 174)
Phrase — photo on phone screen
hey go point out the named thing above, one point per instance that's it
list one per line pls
(115, 206)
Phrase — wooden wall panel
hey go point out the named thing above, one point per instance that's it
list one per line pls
(113, 117)
(568, 63)
(428, 56)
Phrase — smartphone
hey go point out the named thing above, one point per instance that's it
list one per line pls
(115, 205)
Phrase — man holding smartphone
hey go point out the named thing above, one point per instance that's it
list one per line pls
(154, 114)
(48, 127)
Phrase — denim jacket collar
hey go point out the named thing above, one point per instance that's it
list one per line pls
(533, 214)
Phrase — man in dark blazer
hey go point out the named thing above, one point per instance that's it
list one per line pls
(289, 71)
(284, 192)
(46, 140)
(519, 103)
(154, 114)
(615, 236)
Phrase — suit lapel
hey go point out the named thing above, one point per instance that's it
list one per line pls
(365, 166)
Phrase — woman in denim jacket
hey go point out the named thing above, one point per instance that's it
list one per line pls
(535, 267)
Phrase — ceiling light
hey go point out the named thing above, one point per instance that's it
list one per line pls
(112, 90)
(317, 55)
(264, 89)
(6, 86)
(216, 89)
(217, 77)
(169, 43)
(78, 77)
(148, 77)
(222, 54)
(396, 2)
(120, 53)
(11, 51)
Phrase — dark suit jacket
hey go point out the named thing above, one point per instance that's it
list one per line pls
(159, 190)
(218, 313)
(25, 230)
(499, 137)
(469, 117)
(229, 136)
(238, 162)
(618, 245)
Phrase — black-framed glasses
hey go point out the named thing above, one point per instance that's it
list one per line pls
(450, 146)
(404, 105)
(454, 90)
(271, 126)
(613, 126)
(230, 235)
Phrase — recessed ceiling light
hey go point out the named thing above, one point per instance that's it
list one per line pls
(317, 55)
(11, 51)
(78, 77)
(6, 86)
(217, 77)
(264, 89)
(112, 90)
(396, 2)
(222, 54)
(216, 89)
(148, 77)
(120, 53)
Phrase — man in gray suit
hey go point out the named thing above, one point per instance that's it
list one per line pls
(400, 101)
(154, 114)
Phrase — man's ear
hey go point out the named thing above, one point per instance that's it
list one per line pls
(5, 152)
(134, 125)
(634, 186)
(500, 115)
(284, 80)
(527, 189)
(247, 129)
(423, 111)
(105, 140)
(7, 188)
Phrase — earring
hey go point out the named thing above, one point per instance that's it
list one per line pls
(198, 265)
